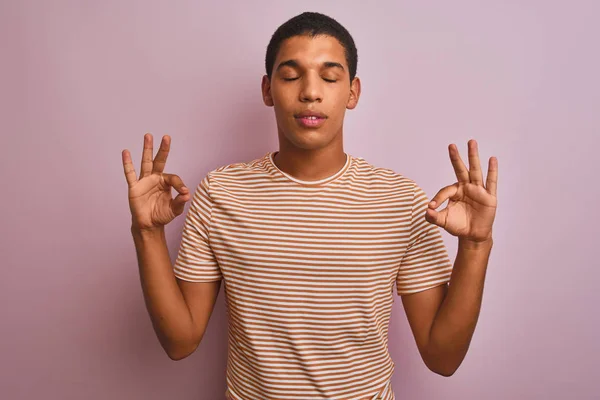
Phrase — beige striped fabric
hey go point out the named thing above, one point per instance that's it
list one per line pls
(309, 270)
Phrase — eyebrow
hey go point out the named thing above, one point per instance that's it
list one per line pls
(294, 64)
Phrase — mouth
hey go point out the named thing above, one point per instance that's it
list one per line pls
(310, 122)
(310, 119)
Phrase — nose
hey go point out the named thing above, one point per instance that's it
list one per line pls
(311, 89)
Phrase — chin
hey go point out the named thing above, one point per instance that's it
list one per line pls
(310, 140)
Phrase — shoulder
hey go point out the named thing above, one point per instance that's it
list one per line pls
(239, 171)
(382, 177)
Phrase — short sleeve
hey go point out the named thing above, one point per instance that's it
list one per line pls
(196, 261)
(425, 263)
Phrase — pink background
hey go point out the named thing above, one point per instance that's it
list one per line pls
(82, 80)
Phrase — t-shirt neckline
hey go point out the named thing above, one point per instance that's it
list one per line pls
(323, 181)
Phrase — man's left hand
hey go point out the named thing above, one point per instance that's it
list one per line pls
(471, 206)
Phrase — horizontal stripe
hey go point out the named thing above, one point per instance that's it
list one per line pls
(309, 270)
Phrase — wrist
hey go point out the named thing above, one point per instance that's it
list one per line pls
(469, 244)
(147, 233)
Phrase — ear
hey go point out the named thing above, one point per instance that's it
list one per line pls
(354, 93)
(266, 91)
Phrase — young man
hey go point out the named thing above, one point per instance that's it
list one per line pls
(310, 242)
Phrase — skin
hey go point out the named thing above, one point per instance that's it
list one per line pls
(321, 82)
(442, 319)
(179, 310)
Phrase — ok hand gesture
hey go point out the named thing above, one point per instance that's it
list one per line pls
(471, 205)
(150, 200)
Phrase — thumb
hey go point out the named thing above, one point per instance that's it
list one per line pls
(178, 203)
(436, 217)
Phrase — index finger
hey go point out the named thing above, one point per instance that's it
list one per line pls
(175, 182)
(128, 168)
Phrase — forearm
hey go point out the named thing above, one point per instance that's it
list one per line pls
(455, 321)
(165, 303)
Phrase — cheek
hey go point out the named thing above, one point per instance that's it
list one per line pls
(339, 99)
(339, 106)
(281, 100)
(282, 112)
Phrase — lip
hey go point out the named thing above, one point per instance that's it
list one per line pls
(310, 119)
(310, 113)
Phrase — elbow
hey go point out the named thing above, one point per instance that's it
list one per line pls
(441, 366)
(445, 372)
(177, 355)
(442, 370)
(178, 350)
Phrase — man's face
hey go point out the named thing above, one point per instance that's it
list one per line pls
(310, 90)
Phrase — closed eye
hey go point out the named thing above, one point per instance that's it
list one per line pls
(325, 79)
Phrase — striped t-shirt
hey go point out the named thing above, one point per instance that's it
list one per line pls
(309, 270)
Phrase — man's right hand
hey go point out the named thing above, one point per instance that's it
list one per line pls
(150, 200)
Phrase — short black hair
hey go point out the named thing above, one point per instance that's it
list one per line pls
(312, 24)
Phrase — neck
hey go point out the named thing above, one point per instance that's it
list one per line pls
(310, 165)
